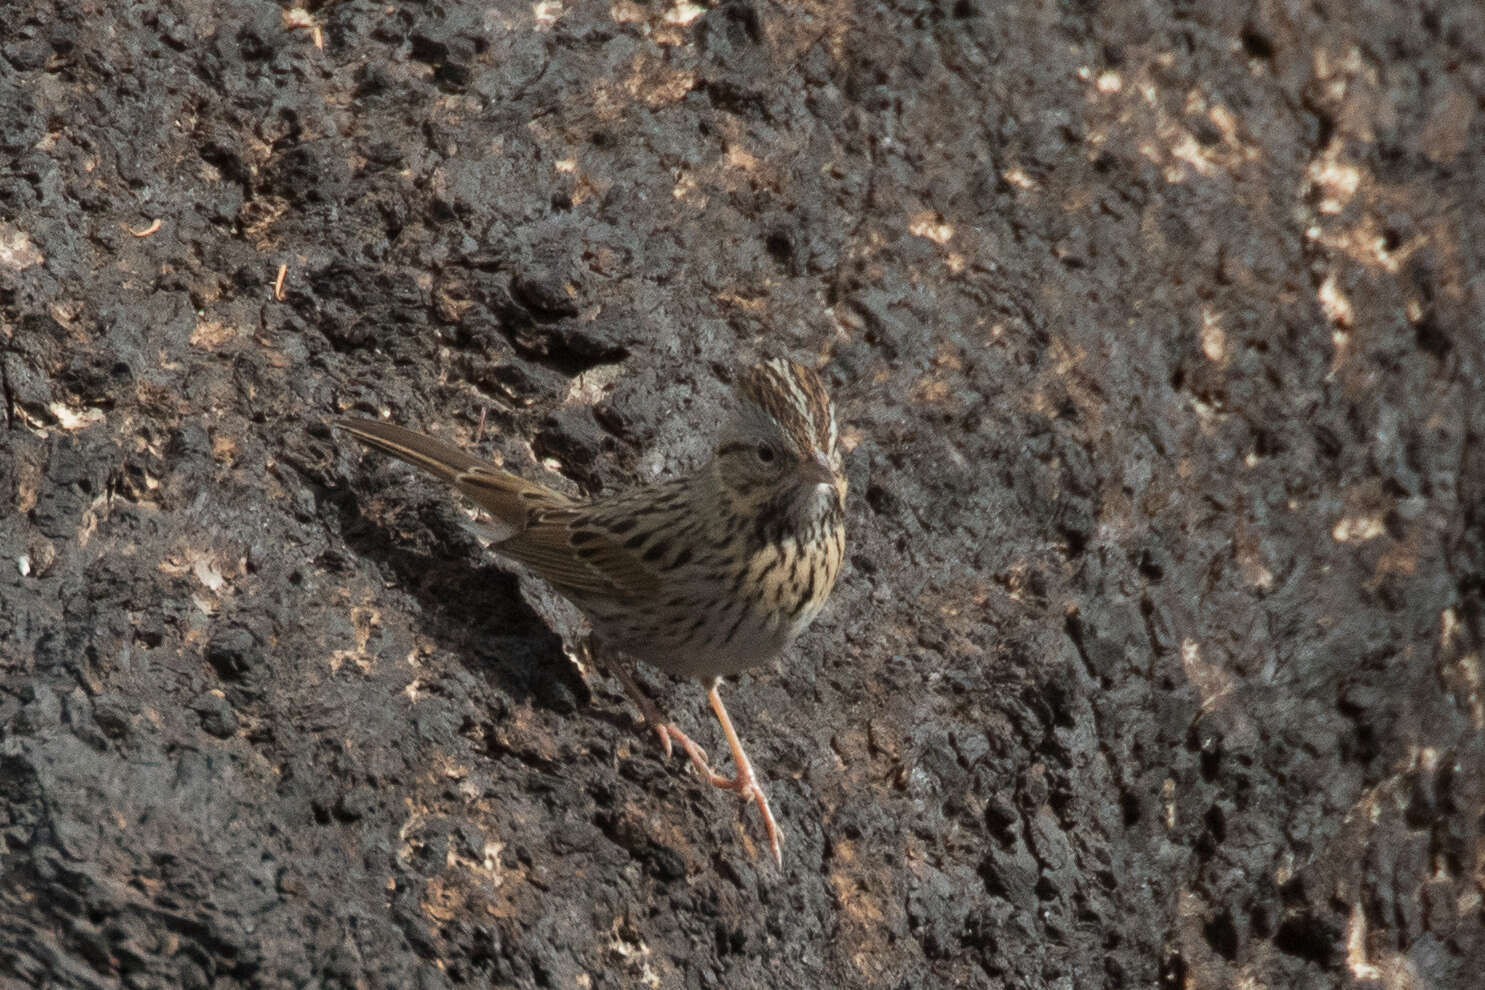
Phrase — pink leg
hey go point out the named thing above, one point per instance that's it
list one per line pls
(655, 719)
(745, 783)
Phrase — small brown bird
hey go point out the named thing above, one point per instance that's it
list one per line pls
(704, 575)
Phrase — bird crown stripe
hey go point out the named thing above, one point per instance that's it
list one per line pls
(796, 399)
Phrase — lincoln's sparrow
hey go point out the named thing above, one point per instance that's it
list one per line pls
(704, 575)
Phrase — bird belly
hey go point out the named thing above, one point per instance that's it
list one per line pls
(704, 627)
(723, 649)
(703, 643)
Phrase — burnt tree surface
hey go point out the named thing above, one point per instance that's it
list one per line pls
(1156, 334)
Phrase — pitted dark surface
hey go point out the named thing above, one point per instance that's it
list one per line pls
(1155, 332)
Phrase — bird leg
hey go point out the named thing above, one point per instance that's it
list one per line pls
(655, 719)
(745, 783)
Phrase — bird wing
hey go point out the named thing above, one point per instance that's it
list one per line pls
(533, 524)
(578, 558)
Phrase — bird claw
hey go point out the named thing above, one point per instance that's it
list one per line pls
(746, 786)
(745, 783)
(668, 731)
(664, 733)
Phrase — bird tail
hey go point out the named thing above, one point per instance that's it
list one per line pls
(511, 500)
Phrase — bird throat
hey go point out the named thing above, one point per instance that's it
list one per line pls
(796, 514)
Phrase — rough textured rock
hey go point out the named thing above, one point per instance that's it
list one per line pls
(1156, 331)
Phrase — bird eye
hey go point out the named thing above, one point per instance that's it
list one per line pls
(766, 453)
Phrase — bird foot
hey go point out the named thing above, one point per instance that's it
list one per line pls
(745, 783)
(668, 732)
(746, 786)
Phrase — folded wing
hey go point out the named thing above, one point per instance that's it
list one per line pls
(533, 524)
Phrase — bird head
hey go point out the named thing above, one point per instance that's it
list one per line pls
(782, 450)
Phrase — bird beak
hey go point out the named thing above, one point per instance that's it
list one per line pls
(818, 470)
